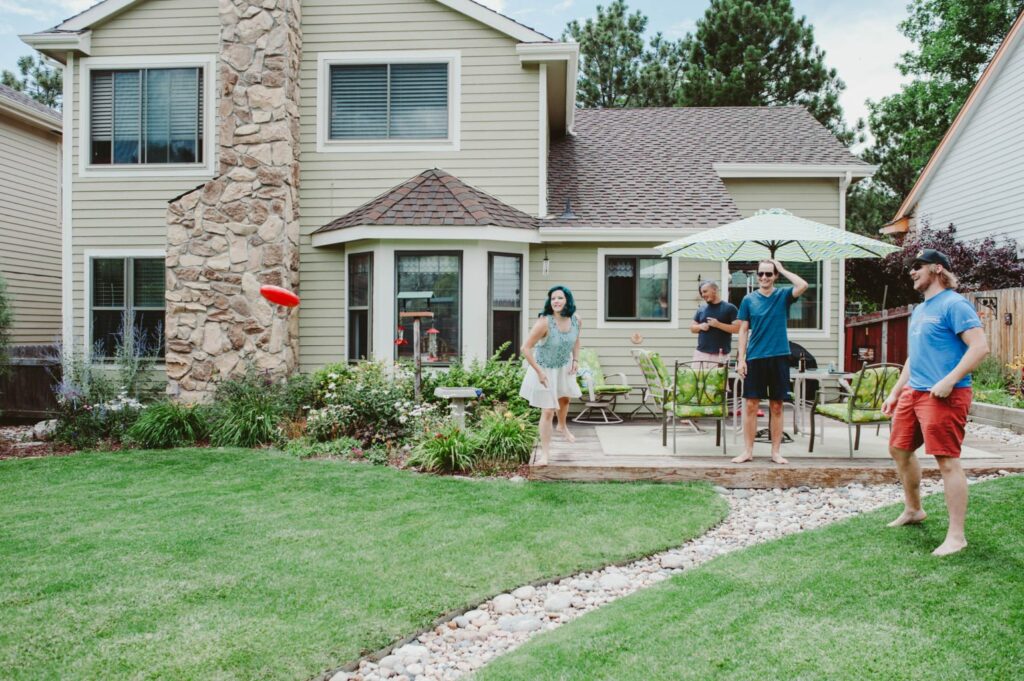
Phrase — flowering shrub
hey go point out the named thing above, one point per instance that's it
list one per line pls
(499, 379)
(505, 436)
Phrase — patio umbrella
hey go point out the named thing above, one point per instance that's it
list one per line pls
(776, 233)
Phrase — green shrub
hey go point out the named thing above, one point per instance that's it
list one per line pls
(246, 412)
(165, 425)
(377, 455)
(5, 327)
(991, 374)
(305, 448)
(505, 436)
(450, 449)
(499, 379)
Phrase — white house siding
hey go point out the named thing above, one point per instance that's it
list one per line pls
(128, 212)
(499, 137)
(30, 229)
(978, 187)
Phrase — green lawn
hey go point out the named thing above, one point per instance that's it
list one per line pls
(854, 600)
(238, 564)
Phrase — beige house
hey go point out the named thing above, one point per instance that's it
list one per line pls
(30, 214)
(397, 156)
(973, 179)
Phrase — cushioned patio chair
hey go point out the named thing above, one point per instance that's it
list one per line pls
(600, 408)
(861, 405)
(699, 392)
(658, 384)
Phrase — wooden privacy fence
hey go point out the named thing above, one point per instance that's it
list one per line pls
(1002, 316)
(26, 391)
(877, 337)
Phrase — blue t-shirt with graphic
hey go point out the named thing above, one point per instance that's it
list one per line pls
(935, 343)
(714, 340)
(767, 316)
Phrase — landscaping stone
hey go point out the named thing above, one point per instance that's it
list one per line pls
(504, 603)
(44, 430)
(614, 582)
(558, 602)
(524, 592)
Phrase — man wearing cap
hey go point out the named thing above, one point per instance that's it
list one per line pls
(930, 401)
(714, 323)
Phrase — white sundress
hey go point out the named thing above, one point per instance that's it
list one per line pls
(554, 355)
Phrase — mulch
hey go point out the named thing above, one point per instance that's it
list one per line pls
(16, 443)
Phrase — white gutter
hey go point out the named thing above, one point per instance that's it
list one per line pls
(56, 43)
(620, 234)
(415, 232)
(30, 115)
(795, 170)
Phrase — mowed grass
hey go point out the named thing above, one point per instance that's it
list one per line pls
(239, 564)
(854, 600)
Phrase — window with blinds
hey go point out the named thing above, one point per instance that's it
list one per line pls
(388, 101)
(127, 290)
(146, 116)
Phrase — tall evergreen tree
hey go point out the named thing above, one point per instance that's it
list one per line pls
(38, 80)
(747, 53)
(616, 70)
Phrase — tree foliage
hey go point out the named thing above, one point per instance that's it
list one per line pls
(981, 265)
(38, 80)
(5, 327)
(616, 70)
(746, 53)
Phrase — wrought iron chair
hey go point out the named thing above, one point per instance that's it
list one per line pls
(861, 405)
(600, 408)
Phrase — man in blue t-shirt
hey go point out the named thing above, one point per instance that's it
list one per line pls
(930, 401)
(714, 323)
(764, 353)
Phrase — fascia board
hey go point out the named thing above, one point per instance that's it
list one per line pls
(790, 170)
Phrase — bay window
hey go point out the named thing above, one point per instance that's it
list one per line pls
(429, 282)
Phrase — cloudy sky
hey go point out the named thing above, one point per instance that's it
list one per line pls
(860, 39)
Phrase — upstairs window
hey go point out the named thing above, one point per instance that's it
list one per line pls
(389, 102)
(146, 116)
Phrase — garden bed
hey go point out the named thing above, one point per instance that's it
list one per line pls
(995, 415)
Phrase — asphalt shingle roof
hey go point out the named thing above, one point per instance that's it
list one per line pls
(434, 198)
(26, 101)
(653, 167)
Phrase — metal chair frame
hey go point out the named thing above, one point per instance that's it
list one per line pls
(873, 403)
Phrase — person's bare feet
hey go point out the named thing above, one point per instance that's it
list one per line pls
(569, 437)
(542, 458)
(950, 546)
(743, 458)
(909, 517)
(778, 458)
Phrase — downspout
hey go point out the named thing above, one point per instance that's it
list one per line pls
(844, 184)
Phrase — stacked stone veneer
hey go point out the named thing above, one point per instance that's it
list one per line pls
(240, 230)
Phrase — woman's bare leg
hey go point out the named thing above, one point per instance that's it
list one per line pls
(563, 419)
(546, 418)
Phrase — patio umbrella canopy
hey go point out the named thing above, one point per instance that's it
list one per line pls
(776, 233)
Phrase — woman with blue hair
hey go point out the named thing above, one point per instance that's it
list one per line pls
(550, 380)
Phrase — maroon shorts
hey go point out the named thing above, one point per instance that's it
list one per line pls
(936, 423)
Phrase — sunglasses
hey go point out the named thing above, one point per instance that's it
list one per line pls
(765, 275)
(916, 266)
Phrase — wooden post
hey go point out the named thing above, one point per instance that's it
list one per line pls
(417, 360)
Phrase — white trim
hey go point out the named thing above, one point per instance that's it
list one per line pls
(474, 10)
(825, 332)
(673, 309)
(426, 234)
(91, 254)
(31, 116)
(844, 184)
(624, 234)
(59, 42)
(67, 291)
(530, 53)
(542, 143)
(350, 251)
(737, 170)
(571, 75)
(323, 74)
(145, 171)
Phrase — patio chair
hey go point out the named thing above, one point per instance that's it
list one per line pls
(700, 391)
(600, 408)
(859, 406)
(658, 384)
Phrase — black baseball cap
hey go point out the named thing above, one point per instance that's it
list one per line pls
(932, 256)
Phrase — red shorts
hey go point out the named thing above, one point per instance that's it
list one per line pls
(938, 424)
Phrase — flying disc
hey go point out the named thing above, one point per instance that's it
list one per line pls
(278, 295)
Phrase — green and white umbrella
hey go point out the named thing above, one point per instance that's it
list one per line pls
(776, 233)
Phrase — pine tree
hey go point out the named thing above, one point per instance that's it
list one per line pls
(746, 53)
(38, 80)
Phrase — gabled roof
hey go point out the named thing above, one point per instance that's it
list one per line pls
(431, 199)
(663, 167)
(988, 76)
(485, 15)
(29, 110)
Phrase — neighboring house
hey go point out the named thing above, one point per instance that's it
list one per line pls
(30, 214)
(432, 158)
(975, 177)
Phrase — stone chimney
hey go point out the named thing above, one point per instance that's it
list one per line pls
(240, 230)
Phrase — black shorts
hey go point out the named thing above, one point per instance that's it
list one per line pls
(767, 378)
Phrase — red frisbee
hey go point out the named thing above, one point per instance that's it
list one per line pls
(278, 295)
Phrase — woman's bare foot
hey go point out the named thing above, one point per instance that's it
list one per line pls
(909, 517)
(778, 458)
(950, 546)
(569, 437)
(542, 458)
(743, 458)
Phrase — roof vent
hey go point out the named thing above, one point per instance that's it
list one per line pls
(567, 214)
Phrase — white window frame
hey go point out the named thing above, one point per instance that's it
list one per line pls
(100, 254)
(673, 310)
(148, 170)
(371, 249)
(323, 90)
(826, 304)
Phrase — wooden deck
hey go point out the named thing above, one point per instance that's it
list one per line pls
(635, 453)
